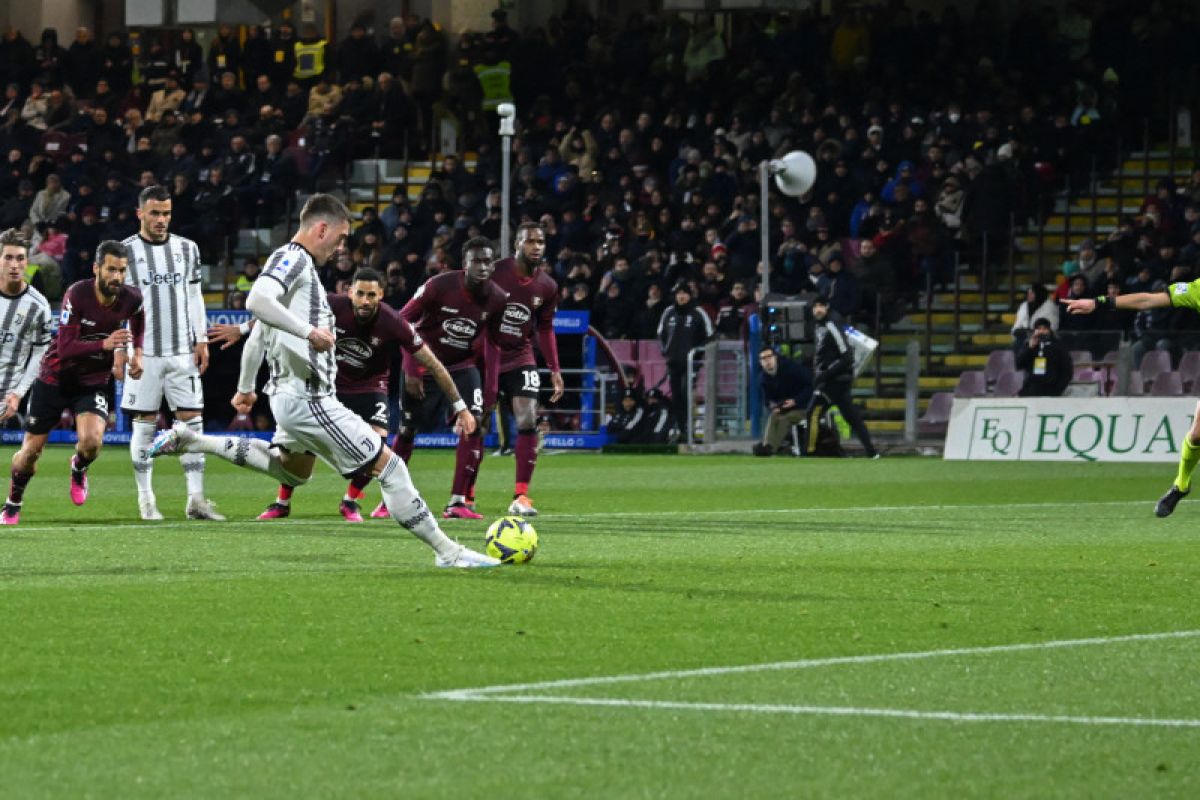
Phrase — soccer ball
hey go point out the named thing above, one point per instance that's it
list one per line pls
(512, 540)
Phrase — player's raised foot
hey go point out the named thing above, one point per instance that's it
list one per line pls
(172, 442)
(148, 509)
(380, 512)
(465, 558)
(1166, 504)
(350, 511)
(79, 485)
(202, 508)
(522, 506)
(460, 511)
(11, 514)
(275, 511)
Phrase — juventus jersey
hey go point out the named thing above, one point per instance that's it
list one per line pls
(296, 366)
(24, 337)
(168, 276)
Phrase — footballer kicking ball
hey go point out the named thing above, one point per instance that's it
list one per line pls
(512, 540)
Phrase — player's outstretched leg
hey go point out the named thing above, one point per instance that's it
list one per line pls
(242, 451)
(407, 508)
(16, 495)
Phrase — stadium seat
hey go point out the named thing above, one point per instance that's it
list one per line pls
(654, 375)
(625, 351)
(937, 413)
(1137, 387)
(1154, 362)
(1089, 375)
(1167, 384)
(1189, 369)
(1009, 384)
(1081, 358)
(998, 363)
(971, 384)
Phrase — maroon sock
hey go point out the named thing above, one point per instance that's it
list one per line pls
(357, 484)
(467, 456)
(16, 489)
(403, 447)
(526, 454)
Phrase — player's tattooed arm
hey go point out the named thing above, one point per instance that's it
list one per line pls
(466, 420)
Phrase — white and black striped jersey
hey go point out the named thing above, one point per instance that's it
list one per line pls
(168, 274)
(296, 366)
(25, 321)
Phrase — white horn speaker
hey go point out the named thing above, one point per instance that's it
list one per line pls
(795, 173)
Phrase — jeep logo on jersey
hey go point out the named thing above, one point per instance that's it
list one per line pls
(460, 326)
(354, 351)
(517, 314)
(168, 279)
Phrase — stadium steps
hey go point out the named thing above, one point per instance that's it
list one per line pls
(372, 181)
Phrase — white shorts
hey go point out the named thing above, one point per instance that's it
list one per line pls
(327, 429)
(175, 377)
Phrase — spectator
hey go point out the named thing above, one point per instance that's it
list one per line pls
(625, 426)
(787, 390)
(357, 56)
(50, 203)
(1045, 361)
(225, 51)
(1037, 305)
(82, 63)
(116, 64)
(168, 98)
(312, 58)
(187, 58)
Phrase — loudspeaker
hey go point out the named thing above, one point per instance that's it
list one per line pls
(795, 173)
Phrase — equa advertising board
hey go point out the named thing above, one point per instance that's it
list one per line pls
(1068, 429)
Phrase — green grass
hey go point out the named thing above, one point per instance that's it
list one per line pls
(296, 659)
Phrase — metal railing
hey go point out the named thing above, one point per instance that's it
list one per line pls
(724, 414)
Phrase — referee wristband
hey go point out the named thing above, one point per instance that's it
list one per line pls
(458, 406)
(1101, 300)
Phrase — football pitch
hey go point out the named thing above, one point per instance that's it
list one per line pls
(691, 627)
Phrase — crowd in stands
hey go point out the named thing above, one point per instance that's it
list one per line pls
(637, 148)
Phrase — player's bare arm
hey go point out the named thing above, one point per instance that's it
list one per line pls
(465, 419)
(1137, 301)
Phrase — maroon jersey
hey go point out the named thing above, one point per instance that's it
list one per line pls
(530, 307)
(364, 351)
(77, 357)
(449, 318)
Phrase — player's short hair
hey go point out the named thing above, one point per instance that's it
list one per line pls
(111, 247)
(324, 207)
(367, 274)
(477, 243)
(525, 227)
(155, 192)
(14, 238)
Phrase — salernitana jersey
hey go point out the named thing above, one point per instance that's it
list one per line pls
(168, 274)
(296, 366)
(25, 321)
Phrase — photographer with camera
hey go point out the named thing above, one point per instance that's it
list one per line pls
(1047, 364)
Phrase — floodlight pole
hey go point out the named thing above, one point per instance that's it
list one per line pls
(506, 134)
(764, 175)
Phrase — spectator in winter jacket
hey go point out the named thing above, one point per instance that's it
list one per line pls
(625, 426)
(1038, 304)
(1046, 362)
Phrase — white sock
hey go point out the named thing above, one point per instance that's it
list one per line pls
(193, 463)
(245, 451)
(406, 507)
(457, 498)
(143, 467)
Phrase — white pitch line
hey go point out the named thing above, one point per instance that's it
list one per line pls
(486, 692)
(334, 522)
(834, 711)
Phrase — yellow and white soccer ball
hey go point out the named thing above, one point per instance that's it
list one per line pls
(512, 540)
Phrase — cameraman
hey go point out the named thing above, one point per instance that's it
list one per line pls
(1046, 363)
(787, 389)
